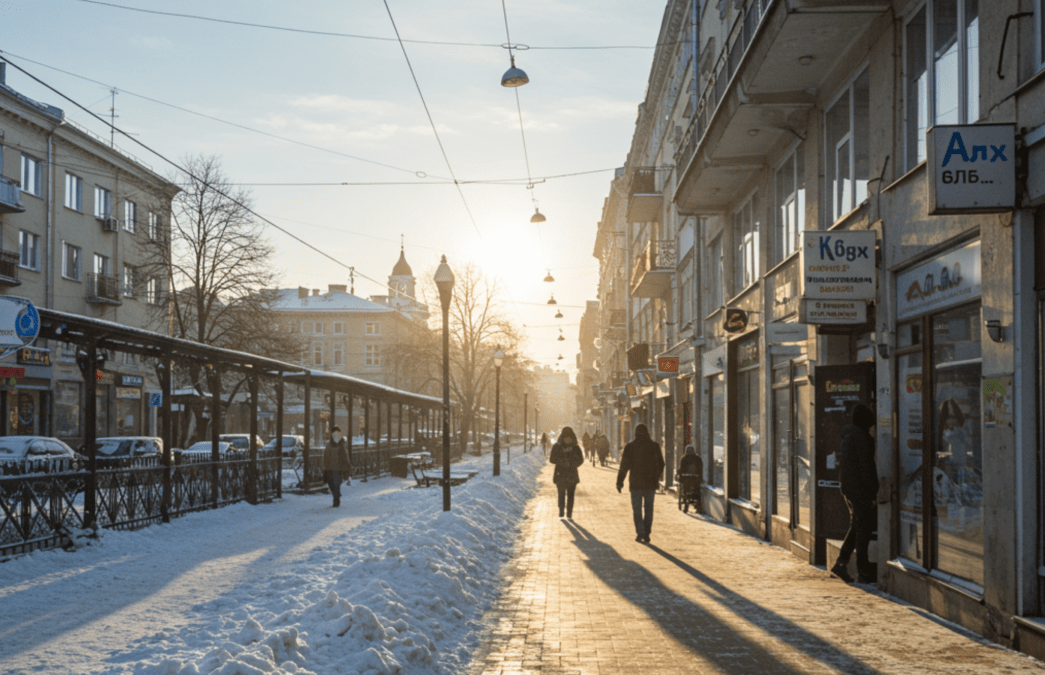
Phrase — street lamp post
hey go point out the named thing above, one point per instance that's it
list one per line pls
(498, 360)
(444, 280)
(526, 430)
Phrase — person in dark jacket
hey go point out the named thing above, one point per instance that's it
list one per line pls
(641, 457)
(586, 445)
(690, 476)
(602, 448)
(567, 457)
(335, 462)
(859, 478)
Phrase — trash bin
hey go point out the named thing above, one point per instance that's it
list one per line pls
(399, 466)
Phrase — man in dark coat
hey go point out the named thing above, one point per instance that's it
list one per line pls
(641, 457)
(859, 478)
(335, 462)
(690, 476)
(566, 457)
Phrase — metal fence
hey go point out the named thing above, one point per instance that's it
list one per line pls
(41, 502)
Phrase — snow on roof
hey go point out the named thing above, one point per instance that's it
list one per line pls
(334, 301)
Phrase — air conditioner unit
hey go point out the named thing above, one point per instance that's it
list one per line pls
(110, 224)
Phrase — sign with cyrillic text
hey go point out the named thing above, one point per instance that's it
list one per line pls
(951, 279)
(834, 311)
(838, 265)
(972, 168)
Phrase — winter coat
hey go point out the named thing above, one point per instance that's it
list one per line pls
(602, 446)
(642, 457)
(859, 475)
(566, 459)
(335, 456)
(691, 464)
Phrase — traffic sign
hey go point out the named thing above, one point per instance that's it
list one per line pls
(19, 324)
(155, 400)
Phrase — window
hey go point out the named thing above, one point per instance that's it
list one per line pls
(154, 226)
(339, 355)
(339, 328)
(745, 229)
(101, 264)
(713, 271)
(686, 295)
(317, 353)
(1039, 31)
(29, 250)
(128, 281)
(714, 451)
(130, 215)
(790, 186)
(373, 355)
(70, 261)
(32, 175)
(318, 327)
(73, 192)
(942, 74)
(847, 149)
(102, 203)
(152, 291)
(749, 456)
(373, 328)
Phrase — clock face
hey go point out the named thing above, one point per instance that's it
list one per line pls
(401, 286)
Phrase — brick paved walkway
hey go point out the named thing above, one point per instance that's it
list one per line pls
(584, 597)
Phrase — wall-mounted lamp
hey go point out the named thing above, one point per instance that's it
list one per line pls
(994, 330)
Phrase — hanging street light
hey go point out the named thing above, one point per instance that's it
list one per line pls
(444, 281)
(514, 77)
(537, 216)
(558, 315)
(549, 278)
(552, 300)
(560, 338)
(498, 360)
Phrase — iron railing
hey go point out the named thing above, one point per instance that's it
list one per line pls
(10, 196)
(659, 254)
(9, 268)
(104, 288)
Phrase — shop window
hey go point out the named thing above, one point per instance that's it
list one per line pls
(790, 191)
(847, 148)
(942, 74)
(782, 438)
(714, 451)
(749, 453)
(68, 415)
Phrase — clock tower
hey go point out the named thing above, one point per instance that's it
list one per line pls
(401, 281)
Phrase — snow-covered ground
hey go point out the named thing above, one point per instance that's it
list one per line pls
(387, 583)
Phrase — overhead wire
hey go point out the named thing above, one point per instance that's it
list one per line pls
(354, 36)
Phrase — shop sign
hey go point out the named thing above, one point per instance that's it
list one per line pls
(9, 371)
(846, 312)
(839, 264)
(667, 364)
(778, 333)
(949, 280)
(128, 392)
(31, 356)
(129, 381)
(736, 320)
(19, 323)
(972, 168)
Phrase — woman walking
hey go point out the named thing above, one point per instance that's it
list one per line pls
(567, 457)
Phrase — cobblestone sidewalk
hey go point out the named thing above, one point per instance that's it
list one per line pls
(582, 596)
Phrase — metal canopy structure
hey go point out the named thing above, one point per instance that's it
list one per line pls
(93, 336)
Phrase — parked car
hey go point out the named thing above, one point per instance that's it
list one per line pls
(203, 449)
(128, 446)
(292, 446)
(240, 441)
(16, 450)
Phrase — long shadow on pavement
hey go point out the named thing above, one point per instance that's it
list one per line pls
(702, 631)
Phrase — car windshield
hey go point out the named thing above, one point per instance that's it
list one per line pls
(115, 448)
(8, 448)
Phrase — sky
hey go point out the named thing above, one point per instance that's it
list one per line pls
(356, 101)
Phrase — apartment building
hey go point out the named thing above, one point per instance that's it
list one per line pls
(818, 164)
(74, 210)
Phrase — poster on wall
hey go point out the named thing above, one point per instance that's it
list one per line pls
(950, 279)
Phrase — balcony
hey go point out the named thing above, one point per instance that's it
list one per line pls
(103, 289)
(10, 196)
(645, 201)
(9, 269)
(651, 273)
(761, 88)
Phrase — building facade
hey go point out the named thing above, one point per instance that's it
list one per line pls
(772, 132)
(74, 210)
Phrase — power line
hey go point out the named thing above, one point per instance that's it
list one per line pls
(323, 33)
(432, 122)
(200, 180)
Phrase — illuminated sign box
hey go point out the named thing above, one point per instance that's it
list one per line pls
(972, 168)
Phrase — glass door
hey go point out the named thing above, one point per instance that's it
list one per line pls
(782, 417)
(802, 394)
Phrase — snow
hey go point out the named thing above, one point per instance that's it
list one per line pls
(387, 583)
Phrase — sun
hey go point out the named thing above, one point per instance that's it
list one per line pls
(513, 256)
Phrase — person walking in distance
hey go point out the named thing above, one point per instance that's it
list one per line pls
(643, 459)
(335, 462)
(544, 443)
(567, 457)
(859, 478)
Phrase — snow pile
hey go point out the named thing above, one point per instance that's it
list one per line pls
(403, 593)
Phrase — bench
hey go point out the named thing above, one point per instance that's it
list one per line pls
(429, 479)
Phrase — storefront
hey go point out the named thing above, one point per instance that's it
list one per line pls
(940, 412)
(26, 398)
(128, 402)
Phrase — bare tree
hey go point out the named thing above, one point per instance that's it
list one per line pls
(217, 266)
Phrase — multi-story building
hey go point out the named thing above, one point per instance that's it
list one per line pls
(773, 131)
(588, 382)
(73, 211)
(555, 402)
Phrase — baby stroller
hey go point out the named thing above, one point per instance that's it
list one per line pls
(689, 492)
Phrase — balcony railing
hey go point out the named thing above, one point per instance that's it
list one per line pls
(725, 68)
(617, 318)
(643, 182)
(658, 256)
(10, 196)
(9, 269)
(103, 288)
